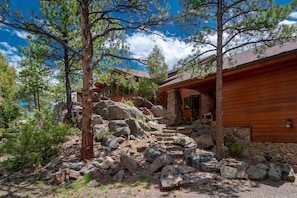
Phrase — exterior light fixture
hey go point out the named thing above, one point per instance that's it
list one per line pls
(289, 123)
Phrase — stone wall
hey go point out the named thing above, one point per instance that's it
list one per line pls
(262, 151)
(255, 152)
(174, 111)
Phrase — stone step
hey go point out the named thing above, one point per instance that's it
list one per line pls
(165, 143)
(160, 134)
(173, 147)
(165, 139)
(169, 131)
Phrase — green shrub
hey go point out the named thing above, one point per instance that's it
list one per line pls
(127, 102)
(33, 141)
(234, 149)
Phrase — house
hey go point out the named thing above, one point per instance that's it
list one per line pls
(258, 91)
(117, 92)
(114, 90)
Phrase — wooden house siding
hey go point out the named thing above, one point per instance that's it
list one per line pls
(263, 98)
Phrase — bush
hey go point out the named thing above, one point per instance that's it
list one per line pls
(234, 150)
(33, 141)
(127, 102)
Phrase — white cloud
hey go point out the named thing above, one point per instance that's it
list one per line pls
(293, 15)
(287, 22)
(173, 49)
(11, 53)
(21, 34)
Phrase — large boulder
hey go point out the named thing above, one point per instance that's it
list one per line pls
(97, 119)
(170, 177)
(119, 128)
(160, 162)
(274, 172)
(141, 102)
(99, 106)
(129, 163)
(78, 114)
(183, 140)
(135, 128)
(233, 169)
(204, 141)
(99, 132)
(258, 172)
(159, 111)
(112, 142)
(229, 172)
(153, 151)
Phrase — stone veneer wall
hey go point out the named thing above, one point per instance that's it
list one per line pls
(259, 151)
(174, 111)
(254, 151)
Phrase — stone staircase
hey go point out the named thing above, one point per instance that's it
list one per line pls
(165, 139)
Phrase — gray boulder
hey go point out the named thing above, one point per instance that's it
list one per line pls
(170, 177)
(234, 163)
(88, 168)
(135, 128)
(204, 141)
(274, 172)
(229, 172)
(99, 106)
(191, 157)
(72, 165)
(159, 111)
(141, 102)
(258, 172)
(288, 172)
(77, 112)
(161, 161)
(197, 179)
(119, 128)
(129, 163)
(210, 166)
(112, 142)
(99, 132)
(153, 151)
(97, 119)
(183, 140)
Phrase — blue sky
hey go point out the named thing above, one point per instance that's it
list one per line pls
(140, 44)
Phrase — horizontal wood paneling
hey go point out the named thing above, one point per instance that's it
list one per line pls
(264, 99)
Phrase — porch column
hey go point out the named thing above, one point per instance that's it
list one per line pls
(174, 107)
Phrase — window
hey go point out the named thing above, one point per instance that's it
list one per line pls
(187, 103)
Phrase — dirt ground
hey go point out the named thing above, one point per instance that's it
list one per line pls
(137, 184)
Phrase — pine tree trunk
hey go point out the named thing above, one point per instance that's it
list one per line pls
(87, 149)
(67, 84)
(220, 153)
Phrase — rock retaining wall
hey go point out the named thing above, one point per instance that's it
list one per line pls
(262, 151)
